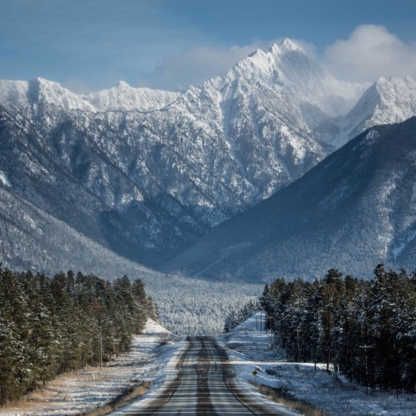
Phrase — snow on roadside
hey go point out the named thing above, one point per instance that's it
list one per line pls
(166, 372)
(87, 389)
(248, 348)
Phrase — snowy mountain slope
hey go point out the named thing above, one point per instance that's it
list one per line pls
(385, 102)
(146, 173)
(40, 91)
(34, 240)
(352, 211)
(306, 80)
(31, 239)
(65, 173)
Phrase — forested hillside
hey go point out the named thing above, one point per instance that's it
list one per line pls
(354, 210)
(53, 325)
(367, 329)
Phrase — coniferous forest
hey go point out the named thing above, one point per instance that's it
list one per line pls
(366, 329)
(53, 325)
(235, 318)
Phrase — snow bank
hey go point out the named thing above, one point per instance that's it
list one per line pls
(248, 348)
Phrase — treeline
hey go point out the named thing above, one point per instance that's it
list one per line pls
(53, 325)
(366, 329)
(235, 318)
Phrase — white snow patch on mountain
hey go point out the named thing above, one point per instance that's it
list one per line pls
(4, 180)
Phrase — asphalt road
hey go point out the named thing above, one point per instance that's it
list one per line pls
(204, 387)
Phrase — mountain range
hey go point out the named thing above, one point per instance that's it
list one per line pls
(146, 174)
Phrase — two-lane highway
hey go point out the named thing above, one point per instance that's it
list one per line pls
(203, 387)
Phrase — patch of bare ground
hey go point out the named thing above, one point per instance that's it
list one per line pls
(123, 399)
(53, 390)
(282, 397)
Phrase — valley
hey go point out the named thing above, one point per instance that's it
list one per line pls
(182, 251)
(203, 183)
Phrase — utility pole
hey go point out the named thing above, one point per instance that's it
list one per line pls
(297, 341)
(365, 348)
(337, 331)
(328, 358)
(101, 348)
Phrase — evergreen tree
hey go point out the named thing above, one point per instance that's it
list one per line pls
(364, 328)
(49, 326)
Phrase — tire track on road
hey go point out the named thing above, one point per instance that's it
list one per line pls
(205, 406)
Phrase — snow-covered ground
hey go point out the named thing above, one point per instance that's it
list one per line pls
(249, 351)
(87, 389)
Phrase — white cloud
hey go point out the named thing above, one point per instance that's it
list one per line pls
(370, 52)
(195, 65)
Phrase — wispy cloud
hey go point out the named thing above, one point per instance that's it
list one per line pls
(195, 65)
(371, 52)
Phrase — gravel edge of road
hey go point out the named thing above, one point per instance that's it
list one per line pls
(119, 402)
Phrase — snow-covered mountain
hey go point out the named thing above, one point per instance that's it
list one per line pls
(120, 98)
(354, 210)
(146, 173)
(385, 102)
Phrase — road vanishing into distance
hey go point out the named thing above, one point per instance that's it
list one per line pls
(203, 387)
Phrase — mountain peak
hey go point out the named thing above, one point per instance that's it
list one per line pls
(286, 45)
(122, 85)
(382, 81)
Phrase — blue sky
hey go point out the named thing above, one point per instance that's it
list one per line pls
(91, 44)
